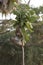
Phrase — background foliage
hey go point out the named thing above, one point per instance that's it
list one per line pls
(11, 53)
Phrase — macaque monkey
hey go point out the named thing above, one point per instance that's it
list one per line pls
(6, 4)
(18, 32)
(17, 39)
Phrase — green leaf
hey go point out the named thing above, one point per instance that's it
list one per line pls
(25, 35)
(29, 26)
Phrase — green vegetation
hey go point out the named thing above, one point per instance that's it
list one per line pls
(28, 29)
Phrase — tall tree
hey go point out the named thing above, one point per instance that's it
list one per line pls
(23, 27)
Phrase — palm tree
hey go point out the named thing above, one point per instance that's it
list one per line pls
(24, 17)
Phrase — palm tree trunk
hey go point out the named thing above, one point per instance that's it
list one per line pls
(23, 63)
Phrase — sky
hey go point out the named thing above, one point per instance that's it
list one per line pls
(34, 3)
(8, 16)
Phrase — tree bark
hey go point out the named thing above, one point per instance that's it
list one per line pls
(23, 61)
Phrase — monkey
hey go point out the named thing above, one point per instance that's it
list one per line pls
(17, 39)
(4, 5)
(18, 32)
(7, 5)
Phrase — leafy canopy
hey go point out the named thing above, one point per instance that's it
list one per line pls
(25, 16)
